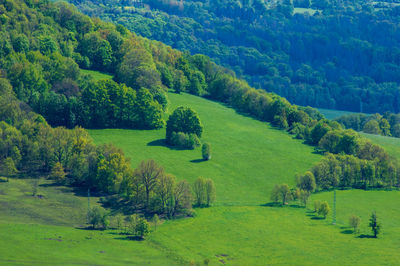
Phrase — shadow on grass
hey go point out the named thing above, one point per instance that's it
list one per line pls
(296, 206)
(131, 238)
(366, 236)
(317, 218)
(272, 204)
(347, 232)
(158, 142)
(163, 143)
(197, 161)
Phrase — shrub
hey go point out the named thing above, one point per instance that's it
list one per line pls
(354, 222)
(183, 140)
(206, 151)
(324, 209)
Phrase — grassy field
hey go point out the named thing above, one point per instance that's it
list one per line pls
(332, 114)
(391, 145)
(96, 75)
(248, 158)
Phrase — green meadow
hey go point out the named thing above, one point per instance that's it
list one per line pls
(248, 158)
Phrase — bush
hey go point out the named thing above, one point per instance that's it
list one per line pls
(98, 218)
(183, 140)
(324, 209)
(206, 151)
(354, 222)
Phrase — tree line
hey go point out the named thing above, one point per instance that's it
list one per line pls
(325, 57)
(30, 146)
(387, 124)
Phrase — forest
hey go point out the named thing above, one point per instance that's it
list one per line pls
(331, 54)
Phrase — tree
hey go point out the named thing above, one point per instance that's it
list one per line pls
(182, 199)
(199, 191)
(57, 172)
(281, 193)
(149, 172)
(142, 228)
(206, 151)
(307, 182)
(155, 221)
(317, 205)
(165, 189)
(324, 209)
(98, 217)
(304, 196)
(374, 224)
(183, 119)
(9, 168)
(372, 127)
(354, 222)
(119, 218)
(210, 191)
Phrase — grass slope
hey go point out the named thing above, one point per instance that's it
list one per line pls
(391, 145)
(96, 75)
(249, 157)
(333, 114)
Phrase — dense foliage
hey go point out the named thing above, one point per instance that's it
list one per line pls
(386, 125)
(336, 54)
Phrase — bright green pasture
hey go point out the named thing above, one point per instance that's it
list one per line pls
(391, 145)
(96, 75)
(248, 156)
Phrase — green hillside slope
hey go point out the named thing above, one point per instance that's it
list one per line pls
(248, 156)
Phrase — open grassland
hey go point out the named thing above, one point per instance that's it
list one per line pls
(96, 75)
(248, 158)
(333, 114)
(391, 145)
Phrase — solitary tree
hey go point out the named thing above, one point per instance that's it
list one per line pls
(374, 224)
(307, 182)
(354, 221)
(324, 209)
(206, 151)
(185, 120)
(281, 193)
(98, 218)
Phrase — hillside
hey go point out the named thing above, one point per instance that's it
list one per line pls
(240, 229)
(88, 108)
(316, 53)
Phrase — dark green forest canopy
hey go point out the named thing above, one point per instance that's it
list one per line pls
(337, 54)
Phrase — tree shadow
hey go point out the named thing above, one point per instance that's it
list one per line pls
(131, 238)
(158, 142)
(366, 236)
(198, 161)
(317, 218)
(297, 206)
(347, 232)
(163, 143)
(272, 204)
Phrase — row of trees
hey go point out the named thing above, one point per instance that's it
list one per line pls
(386, 125)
